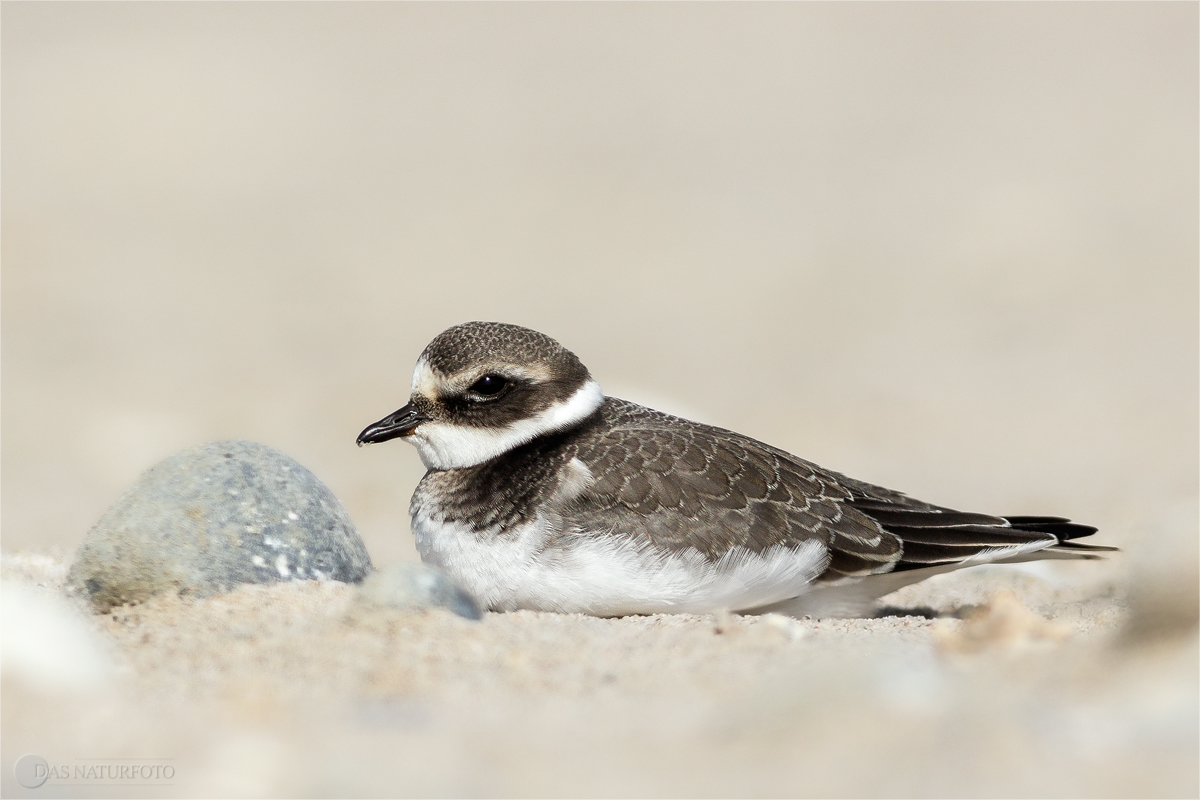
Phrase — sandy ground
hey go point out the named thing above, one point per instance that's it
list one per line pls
(947, 248)
(1041, 688)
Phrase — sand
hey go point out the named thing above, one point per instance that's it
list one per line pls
(1008, 683)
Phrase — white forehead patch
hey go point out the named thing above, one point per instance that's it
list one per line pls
(424, 382)
(442, 445)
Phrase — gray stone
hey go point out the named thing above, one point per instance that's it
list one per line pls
(211, 517)
(407, 586)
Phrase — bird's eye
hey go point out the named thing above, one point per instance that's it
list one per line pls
(489, 385)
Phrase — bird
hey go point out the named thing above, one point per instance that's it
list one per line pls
(542, 493)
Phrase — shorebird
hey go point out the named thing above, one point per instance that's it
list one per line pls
(542, 493)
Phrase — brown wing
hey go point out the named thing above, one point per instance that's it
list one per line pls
(684, 485)
(693, 485)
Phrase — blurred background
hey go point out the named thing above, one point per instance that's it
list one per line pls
(951, 248)
(948, 248)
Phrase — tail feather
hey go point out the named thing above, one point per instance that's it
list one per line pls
(933, 536)
(1085, 548)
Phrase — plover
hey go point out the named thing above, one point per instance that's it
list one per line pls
(541, 493)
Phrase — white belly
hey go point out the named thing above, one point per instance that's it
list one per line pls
(608, 575)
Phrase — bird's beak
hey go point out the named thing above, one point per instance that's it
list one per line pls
(401, 423)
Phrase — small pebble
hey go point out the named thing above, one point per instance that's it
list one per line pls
(48, 643)
(725, 621)
(214, 516)
(792, 629)
(407, 586)
(1002, 623)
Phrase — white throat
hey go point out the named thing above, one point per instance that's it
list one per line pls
(445, 446)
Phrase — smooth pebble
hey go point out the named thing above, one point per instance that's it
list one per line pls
(406, 586)
(214, 516)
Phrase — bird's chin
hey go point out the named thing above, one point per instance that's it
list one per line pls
(442, 446)
(426, 451)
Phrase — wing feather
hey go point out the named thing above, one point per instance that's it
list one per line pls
(698, 487)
